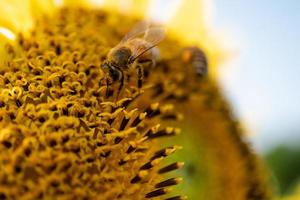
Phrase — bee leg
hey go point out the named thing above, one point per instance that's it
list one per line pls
(121, 84)
(148, 65)
(140, 73)
(128, 78)
(107, 88)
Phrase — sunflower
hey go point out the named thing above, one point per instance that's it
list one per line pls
(66, 133)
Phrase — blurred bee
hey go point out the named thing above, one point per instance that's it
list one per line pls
(134, 51)
(197, 58)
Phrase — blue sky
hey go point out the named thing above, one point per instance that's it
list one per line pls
(263, 79)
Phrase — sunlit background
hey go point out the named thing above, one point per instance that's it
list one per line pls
(262, 78)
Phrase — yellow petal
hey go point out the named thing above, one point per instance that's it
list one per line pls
(111, 4)
(6, 34)
(19, 16)
(139, 7)
(6, 37)
(190, 24)
(136, 8)
(77, 3)
(15, 15)
(41, 7)
(189, 20)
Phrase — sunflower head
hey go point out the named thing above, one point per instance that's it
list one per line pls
(72, 126)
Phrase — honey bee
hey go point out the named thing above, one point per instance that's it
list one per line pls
(134, 51)
(197, 58)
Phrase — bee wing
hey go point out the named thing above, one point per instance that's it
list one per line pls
(155, 35)
(152, 37)
(139, 29)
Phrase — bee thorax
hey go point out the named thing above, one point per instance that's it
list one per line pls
(120, 56)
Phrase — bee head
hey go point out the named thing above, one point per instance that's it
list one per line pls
(111, 71)
(105, 65)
